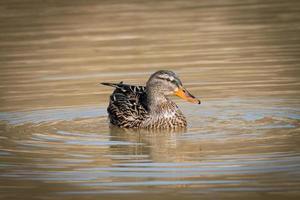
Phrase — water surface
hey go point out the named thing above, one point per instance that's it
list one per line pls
(240, 58)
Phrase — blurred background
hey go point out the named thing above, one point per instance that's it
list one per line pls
(54, 53)
(241, 58)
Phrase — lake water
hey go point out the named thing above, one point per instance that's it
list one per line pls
(241, 58)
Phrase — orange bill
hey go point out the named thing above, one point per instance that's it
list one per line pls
(184, 94)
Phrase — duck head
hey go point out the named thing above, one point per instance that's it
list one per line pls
(166, 83)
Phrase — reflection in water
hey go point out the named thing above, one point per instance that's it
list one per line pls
(156, 145)
(241, 58)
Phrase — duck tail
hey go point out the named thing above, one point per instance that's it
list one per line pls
(112, 84)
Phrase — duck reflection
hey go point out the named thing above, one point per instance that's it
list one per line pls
(157, 146)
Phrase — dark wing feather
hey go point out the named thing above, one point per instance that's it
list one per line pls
(127, 107)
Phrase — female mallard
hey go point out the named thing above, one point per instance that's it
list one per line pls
(149, 107)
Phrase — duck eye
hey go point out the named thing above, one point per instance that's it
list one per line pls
(175, 82)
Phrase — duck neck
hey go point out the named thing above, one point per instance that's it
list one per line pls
(158, 103)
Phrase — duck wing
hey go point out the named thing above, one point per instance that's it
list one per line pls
(127, 107)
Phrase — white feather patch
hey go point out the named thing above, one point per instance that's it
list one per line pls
(169, 114)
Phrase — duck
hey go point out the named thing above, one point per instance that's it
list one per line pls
(149, 106)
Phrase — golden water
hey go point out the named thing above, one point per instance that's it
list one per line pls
(241, 58)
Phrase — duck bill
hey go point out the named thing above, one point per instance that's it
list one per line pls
(186, 95)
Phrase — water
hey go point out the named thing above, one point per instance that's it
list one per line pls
(240, 58)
